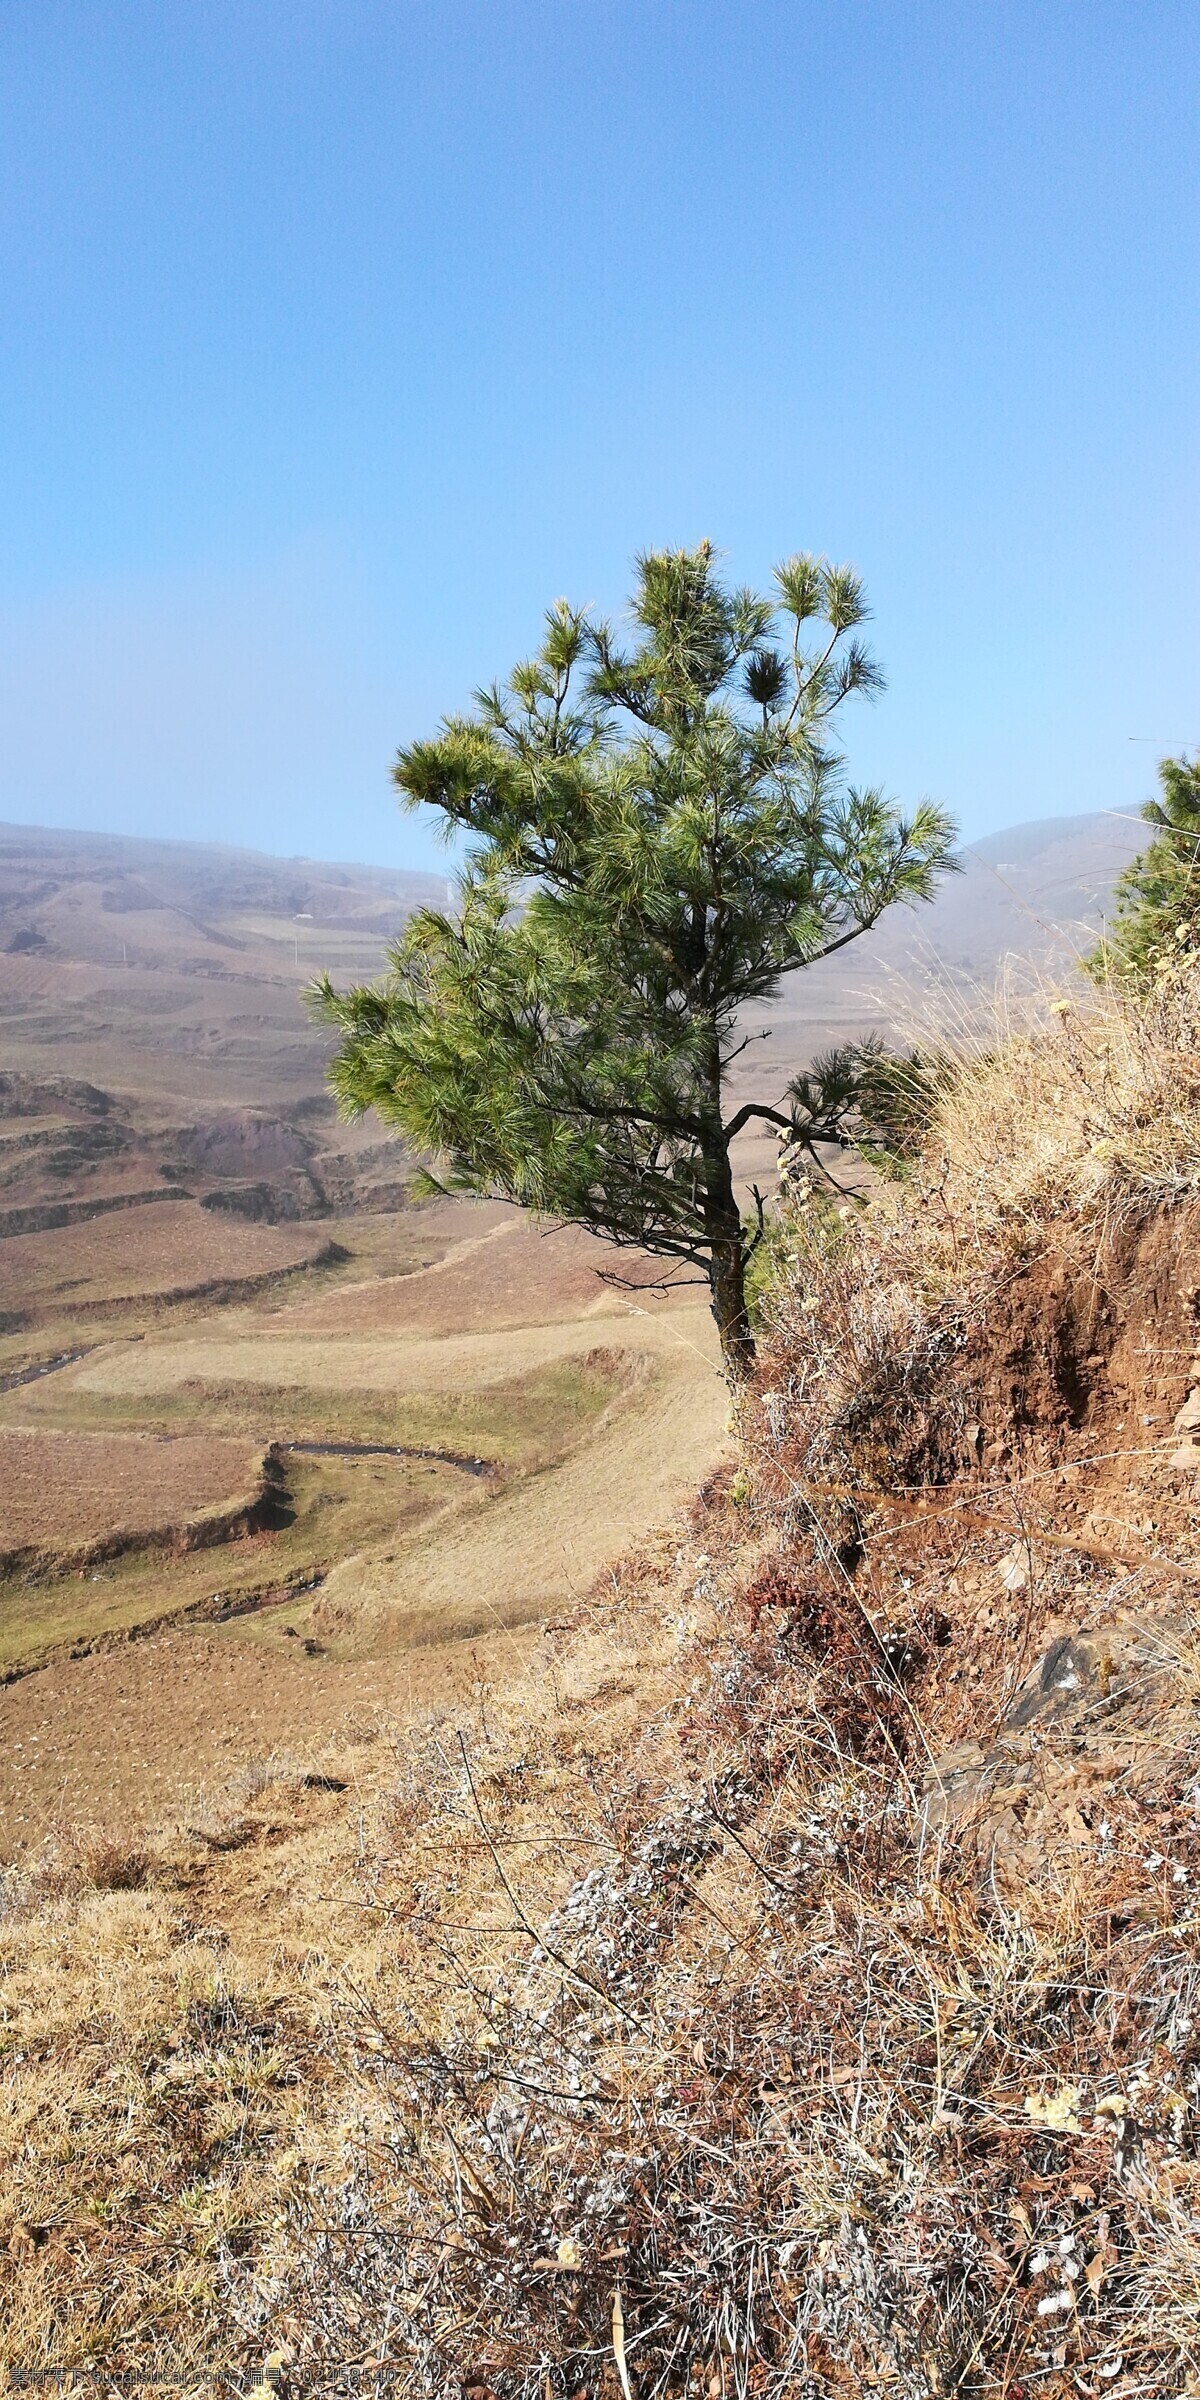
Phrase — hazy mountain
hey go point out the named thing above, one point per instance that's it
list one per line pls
(1039, 890)
(172, 971)
(153, 1035)
(109, 896)
(1027, 903)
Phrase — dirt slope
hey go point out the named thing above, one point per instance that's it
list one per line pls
(546, 1540)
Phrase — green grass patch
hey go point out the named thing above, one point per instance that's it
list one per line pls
(529, 1420)
(336, 1506)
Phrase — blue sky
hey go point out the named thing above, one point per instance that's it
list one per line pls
(339, 336)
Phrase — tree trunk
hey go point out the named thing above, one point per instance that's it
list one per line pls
(723, 1227)
(727, 1260)
(727, 1280)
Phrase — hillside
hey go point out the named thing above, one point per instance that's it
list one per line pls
(162, 981)
(212, 945)
(778, 1974)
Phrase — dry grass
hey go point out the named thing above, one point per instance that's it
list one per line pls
(705, 2018)
(160, 2072)
(663, 1974)
(1098, 1105)
(152, 2074)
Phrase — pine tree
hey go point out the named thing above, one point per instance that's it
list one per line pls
(1158, 896)
(659, 833)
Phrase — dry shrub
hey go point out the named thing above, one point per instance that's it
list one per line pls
(225, 1816)
(1065, 1128)
(860, 1675)
(110, 1862)
(80, 1859)
(1099, 1105)
(758, 2084)
(864, 1327)
(1061, 1104)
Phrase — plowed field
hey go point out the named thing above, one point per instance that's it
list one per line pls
(145, 1253)
(58, 1490)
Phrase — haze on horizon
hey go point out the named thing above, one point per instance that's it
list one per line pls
(339, 341)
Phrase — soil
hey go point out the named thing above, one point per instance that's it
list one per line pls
(1088, 1357)
(171, 1248)
(120, 1738)
(58, 1490)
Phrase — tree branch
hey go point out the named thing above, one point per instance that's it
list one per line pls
(657, 1283)
(756, 1108)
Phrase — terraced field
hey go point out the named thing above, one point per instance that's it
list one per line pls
(65, 1492)
(458, 1448)
(171, 1249)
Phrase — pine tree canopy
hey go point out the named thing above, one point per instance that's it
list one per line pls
(1158, 896)
(659, 831)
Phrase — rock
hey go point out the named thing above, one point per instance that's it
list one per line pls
(1067, 1669)
(1014, 1569)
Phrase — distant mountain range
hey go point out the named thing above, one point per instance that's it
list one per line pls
(1040, 890)
(153, 1035)
(115, 895)
(176, 967)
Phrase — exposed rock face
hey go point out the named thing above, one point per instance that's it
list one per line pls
(267, 1203)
